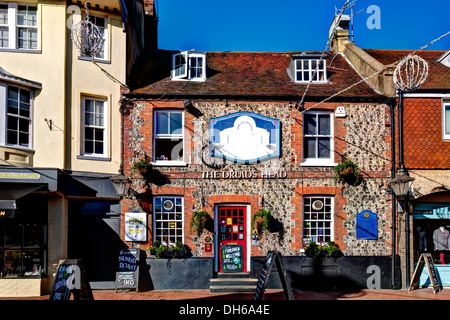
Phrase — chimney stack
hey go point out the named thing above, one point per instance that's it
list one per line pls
(339, 32)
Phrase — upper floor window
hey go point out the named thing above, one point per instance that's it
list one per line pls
(18, 117)
(94, 127)
(18, 26)
(446, 119)
(168, 141)
(318, 142)
(308, 67)
(189, 65)
(102, 23)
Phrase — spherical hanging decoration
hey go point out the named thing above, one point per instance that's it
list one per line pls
(410, 73)
(87, 38)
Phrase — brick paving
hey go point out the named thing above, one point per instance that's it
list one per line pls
(199, 295)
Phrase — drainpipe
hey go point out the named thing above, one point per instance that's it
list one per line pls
(392, 104)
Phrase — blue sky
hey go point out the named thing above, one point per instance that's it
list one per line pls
(297, 25)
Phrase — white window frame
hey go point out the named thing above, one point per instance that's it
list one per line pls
(4, 89)
(5, 25)
(155, 220)
(185, 74)
(310, 70)
(317, 161)
(104, 127)
(13, 27)
(177, 136)
(331, 220)
(105, 48)
(445, 119)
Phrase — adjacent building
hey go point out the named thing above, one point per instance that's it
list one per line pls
(60, 135)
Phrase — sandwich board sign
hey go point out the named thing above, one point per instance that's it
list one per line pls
(425, 259)
(273, 257)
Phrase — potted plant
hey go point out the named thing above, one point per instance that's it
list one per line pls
(199, 220)
(261, 220)
(348, 172)
(161, 251)
(152, 249)
(143, 166)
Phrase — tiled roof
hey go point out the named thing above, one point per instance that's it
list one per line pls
(438, 74)
(424, 147)
(261, 74)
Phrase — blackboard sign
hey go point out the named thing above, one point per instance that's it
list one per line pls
(426, 259)
(232, 258)
(127, 276)
(271, 258)
(71, 278)
(367, 225)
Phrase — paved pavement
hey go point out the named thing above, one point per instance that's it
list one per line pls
(201, 295)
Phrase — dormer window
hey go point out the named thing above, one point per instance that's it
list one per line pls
(308, 67)
(189, 65)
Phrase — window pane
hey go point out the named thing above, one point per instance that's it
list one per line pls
(162, 123)
(310, 124)
(12, 123)
(32, 16)
(11, 137)
(88, 146)
(324, 148)
(4, 36)
(447, 119)
(169, 149)
(98, 147)
(176, 123)
(3, 14)
(309, 148)
(324, 125)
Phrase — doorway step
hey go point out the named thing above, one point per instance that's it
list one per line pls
(233, 282)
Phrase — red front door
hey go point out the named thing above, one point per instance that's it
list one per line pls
(232, 230)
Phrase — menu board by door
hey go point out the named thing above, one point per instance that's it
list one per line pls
(127, 276)
(232, 258)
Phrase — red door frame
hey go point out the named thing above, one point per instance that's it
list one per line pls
(232, 230)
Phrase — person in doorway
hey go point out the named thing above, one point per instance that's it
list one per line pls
(441, 238)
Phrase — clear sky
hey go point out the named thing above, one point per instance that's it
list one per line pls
(298, 25)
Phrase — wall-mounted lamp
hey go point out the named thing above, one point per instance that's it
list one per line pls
(121, 184)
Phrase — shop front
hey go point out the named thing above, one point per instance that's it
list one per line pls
(431, 234)
(44, 213)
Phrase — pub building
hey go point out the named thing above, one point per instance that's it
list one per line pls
(234, 134)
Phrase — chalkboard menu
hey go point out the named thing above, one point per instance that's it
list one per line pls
(425, 259)
(232, 258)
(127, 276)
(271, 258)
(367, 225)
(71, 278)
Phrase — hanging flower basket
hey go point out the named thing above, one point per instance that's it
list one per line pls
(261, 220)
(348, 172)
(199, 221)
(143, 166)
